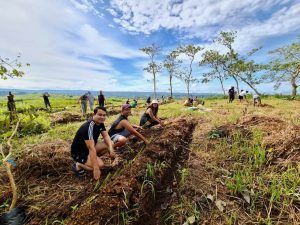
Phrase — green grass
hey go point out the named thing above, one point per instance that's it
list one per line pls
(269, 187)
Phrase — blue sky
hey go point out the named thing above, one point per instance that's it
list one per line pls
(94, 44)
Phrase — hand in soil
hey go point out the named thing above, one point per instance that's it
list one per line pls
(112, 155)
(97, 173)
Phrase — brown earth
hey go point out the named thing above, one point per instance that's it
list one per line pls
(125, 196)
(65, 117)
(208, 172)
(49, 190)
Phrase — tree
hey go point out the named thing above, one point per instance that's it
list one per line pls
(286, 66)
(240, 67)
(186, 75)
(7, 163)
(11, 68)
(215, 61)
(172, 65)
(153, 67)
(247, 72)
(227, 39)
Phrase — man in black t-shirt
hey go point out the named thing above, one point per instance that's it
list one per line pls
(85, 146)
(231, 94)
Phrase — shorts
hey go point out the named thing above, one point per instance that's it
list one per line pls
(241, 97)
(80, 157)
(124, 133)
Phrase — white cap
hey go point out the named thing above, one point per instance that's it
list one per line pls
(154, 101)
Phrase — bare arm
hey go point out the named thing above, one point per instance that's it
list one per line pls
(153, 116)
(108, 142)
(129, 127)
(79, 99)
(93, 155)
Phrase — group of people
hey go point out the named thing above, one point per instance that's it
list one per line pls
(242, 95)
(88, 99)
(133, 103)
(193, 101)
(85, 148)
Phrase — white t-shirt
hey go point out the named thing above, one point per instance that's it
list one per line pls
(243, 93)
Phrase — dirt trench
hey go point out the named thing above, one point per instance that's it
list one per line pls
(47, 187)
(133, 196)
(64, 117)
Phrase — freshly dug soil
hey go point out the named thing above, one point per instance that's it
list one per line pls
(65, 117)
(131, 193)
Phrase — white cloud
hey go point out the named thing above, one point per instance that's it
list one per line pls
(88, 6)
(64, 50)
(204, 19)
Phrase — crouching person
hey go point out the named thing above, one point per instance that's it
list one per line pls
(85, 146)
(149, 118)
(121, 129)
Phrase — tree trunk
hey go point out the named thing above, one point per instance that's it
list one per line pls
(221, 81)
(171, 87)
(188, 89)
(294, 86)
(250, 85)
(154, 84)
(237, 83)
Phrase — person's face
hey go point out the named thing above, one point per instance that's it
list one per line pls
(100, 116)
(126, 112)
(155, 105)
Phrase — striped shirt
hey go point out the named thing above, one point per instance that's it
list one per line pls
(88, 131)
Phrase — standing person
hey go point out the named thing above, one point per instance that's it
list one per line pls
(242, 95)
(121, 128)
(101, 99)
(91, 99)
(127, 102)
(11, 105)
(148, 101)
(46, 100)
(85, 146)
(149, 118)
(83, 102)
(231, 94)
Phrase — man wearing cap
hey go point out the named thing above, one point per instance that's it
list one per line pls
(121, 129)
(149, 118)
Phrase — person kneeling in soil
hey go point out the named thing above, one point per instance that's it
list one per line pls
(149, 118)
(85, 146)
(121, 129)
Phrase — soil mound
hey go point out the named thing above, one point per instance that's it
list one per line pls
(282, 139)
(48, 188)
(65, 117)
(131, 193)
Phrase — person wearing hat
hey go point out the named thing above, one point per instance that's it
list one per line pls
(121, 129)
(149, 118)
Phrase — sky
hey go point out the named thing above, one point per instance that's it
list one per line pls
(94, 44)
